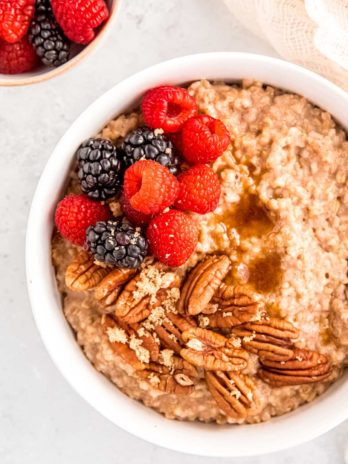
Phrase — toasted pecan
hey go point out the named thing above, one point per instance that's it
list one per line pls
(180, 379)
(171, 329)
(131, 308)
(303, 367)
(212, 351)
(202, 283)
(271, 338)
(118, 337)
(233, 392)
(83, 273)
(236, 304)
(107, 291)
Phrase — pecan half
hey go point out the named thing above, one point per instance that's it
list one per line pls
(212, 351)
(83, 274)
(126, 338)
(171, 329)
(129, 309)
(202, 283)
(271, 338)
(108, 289)
(236, 306)
(118, 337)
(233, 392)
(231, 295)
(180, 379)
(148, 340)
(303, 367)
(132, 308)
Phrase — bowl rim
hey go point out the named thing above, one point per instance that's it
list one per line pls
(88, 50)
(282, 432)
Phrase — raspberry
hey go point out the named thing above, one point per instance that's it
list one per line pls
(135, 217)
(150, 187)
(199, 190)
(204, 139)
(78, 19)
(168, 107)
(172, 237)
(15, 17)
(176, 140)
(75, 213)
(18, 57)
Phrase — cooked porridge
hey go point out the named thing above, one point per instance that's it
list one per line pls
(255, 323)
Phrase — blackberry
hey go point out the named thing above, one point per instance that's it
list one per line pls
(99, 168)
(145, 143)
(117, 243)
(50, 44)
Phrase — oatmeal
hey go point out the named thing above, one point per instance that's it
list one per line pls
(255, 323)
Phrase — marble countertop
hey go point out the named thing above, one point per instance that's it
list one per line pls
(42, 420)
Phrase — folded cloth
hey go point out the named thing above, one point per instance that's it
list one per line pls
(312, 33)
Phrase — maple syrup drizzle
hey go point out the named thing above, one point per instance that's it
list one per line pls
(251, 219)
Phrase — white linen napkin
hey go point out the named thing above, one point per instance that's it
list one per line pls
(312, 33)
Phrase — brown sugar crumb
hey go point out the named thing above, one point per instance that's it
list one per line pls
(141, 353)
(151, 280)
(236, 342)
(167, 357)
(169, 304)
(153, 379)
(116, 334)
(156, 318)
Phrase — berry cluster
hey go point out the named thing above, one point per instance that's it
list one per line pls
(34, 31)
(157, 191)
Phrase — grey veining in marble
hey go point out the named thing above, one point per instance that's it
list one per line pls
(42, 420)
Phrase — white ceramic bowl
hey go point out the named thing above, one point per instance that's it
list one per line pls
(211, 440)
(79, 53)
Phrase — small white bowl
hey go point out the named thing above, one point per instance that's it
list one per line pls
(43, 73)
(291, 429)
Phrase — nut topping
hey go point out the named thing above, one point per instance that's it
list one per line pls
(236, 307)
(171, 329)
(234, 393)
(212, 351)
(137, 338)
(83, 274)
(271, 338)
(303, 367)
(180, 379)
(134, 305)
(108, 289)
(119, 341)
(202, 283)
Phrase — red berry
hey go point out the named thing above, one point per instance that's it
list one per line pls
(199, 190)
(136, 217)
(18, 57)
(172, 237)
(75, 213)
(150, 187)
(78, 19)
(168, 107)
(15, 17)
(176, 140)
(204, 139)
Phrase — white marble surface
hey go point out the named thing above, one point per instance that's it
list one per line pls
(42, 420)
